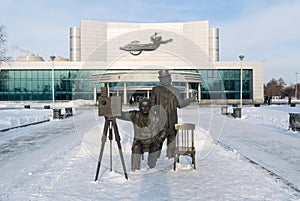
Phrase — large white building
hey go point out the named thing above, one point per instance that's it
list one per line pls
(93, 34)
(126, 57)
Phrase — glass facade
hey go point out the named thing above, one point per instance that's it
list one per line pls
(19, 85)
(225, 84)
(22, 85)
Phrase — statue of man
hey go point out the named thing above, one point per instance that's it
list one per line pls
(149, 133)
(168, 97)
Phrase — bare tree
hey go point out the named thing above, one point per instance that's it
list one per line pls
(298, 91)
(281, 82)
(3, 45)
(279, 88)
(275, 88)
(289, 91)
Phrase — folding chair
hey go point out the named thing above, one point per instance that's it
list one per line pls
(184, 143)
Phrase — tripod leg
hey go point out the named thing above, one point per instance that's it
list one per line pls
(110, 137)
(118, 139)
(103, 140)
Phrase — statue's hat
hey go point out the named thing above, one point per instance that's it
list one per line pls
(163, 73)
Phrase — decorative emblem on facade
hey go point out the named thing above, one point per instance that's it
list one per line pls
(135, 47)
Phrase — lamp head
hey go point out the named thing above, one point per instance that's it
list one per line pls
(52, 57)
(241, 57)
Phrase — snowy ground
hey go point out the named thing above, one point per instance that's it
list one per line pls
(57, 160)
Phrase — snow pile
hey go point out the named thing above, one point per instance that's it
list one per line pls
(15, 114)
(22, 117)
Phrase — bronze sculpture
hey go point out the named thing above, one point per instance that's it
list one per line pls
(135, 47)
(168, 97)
(149, 133)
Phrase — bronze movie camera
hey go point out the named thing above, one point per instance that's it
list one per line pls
(109, 106)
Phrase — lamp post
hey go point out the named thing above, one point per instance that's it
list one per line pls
(52, 59)
(241, 81)
(296, 88)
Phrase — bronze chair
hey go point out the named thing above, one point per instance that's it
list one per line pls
(184, 143)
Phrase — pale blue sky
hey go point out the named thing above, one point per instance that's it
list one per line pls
(262, 30)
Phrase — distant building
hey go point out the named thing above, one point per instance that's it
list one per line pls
(100, 56)
(30, 57)
(58, 58)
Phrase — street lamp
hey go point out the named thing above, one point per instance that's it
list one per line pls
(296, 88)
(52, 59)
(241, 81)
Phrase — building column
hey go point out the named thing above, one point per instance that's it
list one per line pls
(95, 94)
(199, 92)
(148, 94)
(108, 93)
(125, 93)
(187, 89)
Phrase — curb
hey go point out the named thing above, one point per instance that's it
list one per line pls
(34, 123)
